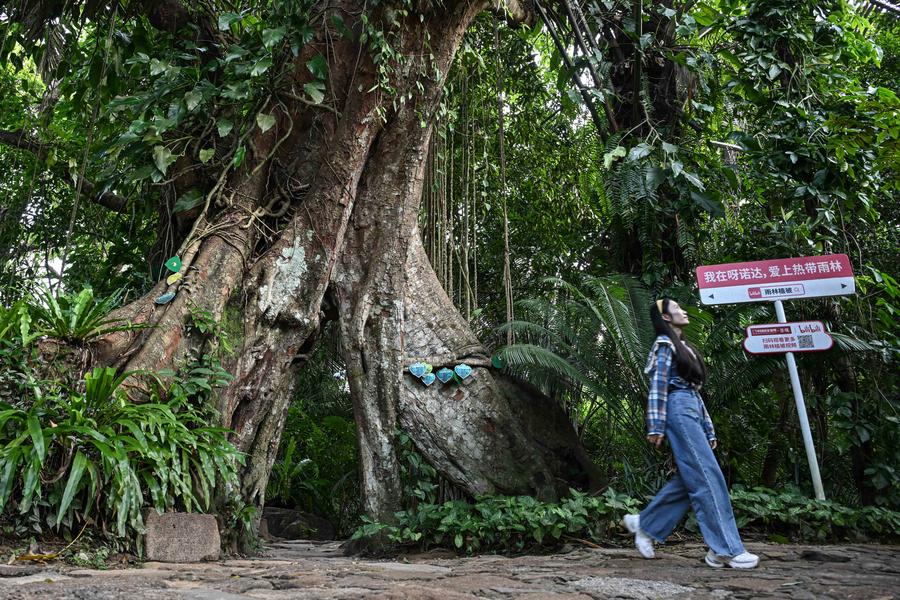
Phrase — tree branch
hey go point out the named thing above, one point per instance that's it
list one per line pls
(18, 139)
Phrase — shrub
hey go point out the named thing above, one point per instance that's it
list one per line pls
(74, 458)
(505, 523)
(512, 524)
(77, 450)
(791, 514)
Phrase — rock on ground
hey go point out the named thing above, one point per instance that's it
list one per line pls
(181, 537)
(319, 571)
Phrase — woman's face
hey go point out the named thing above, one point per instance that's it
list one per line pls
(676, 315)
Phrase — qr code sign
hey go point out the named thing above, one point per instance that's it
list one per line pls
(804, 341)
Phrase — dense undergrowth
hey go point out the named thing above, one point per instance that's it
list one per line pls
(77, 448)
(516, 524)
(513, 524)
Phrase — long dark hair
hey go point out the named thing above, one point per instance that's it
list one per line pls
(690, 362)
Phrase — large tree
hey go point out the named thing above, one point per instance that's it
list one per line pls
(299, 191)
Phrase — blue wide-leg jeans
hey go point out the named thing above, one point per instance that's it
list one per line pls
(698, 483)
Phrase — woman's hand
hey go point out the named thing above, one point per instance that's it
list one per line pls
(656, 439)
(713, 444)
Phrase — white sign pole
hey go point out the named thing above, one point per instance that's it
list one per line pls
(801, 412)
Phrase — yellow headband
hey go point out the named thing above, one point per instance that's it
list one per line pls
(659, 305)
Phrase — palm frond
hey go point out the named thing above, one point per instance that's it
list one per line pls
(530, 356)
(849, 343)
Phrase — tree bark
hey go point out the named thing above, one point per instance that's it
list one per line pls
(351, 250)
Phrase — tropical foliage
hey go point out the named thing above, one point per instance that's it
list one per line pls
(510, 524)
(639, 140)
(75, 449)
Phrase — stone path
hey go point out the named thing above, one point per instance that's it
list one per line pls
(320, 571)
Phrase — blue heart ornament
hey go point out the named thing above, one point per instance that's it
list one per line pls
(165, 298)
(445, 375)
(463, 370)
(417, 369)
(428, 379)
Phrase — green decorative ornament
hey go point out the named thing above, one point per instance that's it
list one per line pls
(174, 264)
(429, 367)
(497, 361)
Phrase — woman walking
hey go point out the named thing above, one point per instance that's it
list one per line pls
(675, 411)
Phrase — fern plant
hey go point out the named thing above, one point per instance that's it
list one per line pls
(75, 318)
(71, 458)
(75, 449)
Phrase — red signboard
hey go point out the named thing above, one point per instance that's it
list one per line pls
(783, 278)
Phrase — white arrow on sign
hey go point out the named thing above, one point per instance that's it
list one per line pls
(778, 338)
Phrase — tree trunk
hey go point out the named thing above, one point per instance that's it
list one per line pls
(351, 251)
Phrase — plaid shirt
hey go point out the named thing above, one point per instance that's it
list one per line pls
(660, 368)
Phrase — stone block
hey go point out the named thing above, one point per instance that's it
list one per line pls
(181, 537)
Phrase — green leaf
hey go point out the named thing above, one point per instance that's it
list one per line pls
(37, 436)
(265, 121)
(730, 58)
(162, 158)
(190, 199)
(261, 66)
(709, 204)
(158, 67)
(695, 181)
(640, 151)
(609, 157)
(239, 156)
(273, 36)
(669, 148)
(206, 155)
(10, 461)
(193, 99)
(226, 20)
(71, 485)
(318, 67)
(316, 91)
(234, 53)
(30, 485)
(655, 177)
(224, 126)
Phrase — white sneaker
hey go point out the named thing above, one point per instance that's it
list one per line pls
(745, 560)
(642, 541)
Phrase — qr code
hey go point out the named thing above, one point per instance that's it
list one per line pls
(805, 341)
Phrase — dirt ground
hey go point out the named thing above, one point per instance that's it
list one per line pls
(320, 571)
